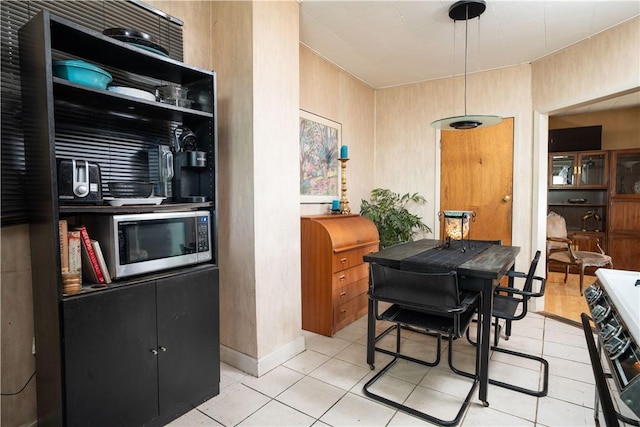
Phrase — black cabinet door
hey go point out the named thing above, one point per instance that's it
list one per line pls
(188, 338)
(110, 367)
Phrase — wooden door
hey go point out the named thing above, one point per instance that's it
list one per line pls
(477, 175)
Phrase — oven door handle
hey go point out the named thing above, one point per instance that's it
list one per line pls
(602, 389)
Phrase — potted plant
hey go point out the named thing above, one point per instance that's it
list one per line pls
(388, 211)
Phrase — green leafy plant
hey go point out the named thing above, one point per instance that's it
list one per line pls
(388, 211)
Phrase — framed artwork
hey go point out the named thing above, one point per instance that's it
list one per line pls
(320, 142)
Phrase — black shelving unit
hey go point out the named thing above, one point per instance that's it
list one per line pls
(101, 353)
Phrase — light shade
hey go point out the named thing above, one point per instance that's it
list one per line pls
(466, 122)
(464, 10)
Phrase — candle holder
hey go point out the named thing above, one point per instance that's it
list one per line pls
(344, 203)
(455, 227)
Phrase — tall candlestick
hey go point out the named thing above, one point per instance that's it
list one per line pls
(344, 203)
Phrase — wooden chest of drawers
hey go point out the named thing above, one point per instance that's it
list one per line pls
(335, 279)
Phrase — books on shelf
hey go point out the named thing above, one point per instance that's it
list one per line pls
(63, 230)
(75, 251)
(101, 261)
(71, 260)
(90, 265)
(81, 256)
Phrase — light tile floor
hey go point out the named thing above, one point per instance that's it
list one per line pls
(322, 386)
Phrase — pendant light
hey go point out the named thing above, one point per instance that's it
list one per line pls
(465, 10)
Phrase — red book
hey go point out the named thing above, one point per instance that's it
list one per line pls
(89, 256)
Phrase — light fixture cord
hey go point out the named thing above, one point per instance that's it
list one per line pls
(466, 41)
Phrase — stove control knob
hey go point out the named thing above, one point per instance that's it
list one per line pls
(599, 313)
(592, 294)
(610, 330)
(615, 347)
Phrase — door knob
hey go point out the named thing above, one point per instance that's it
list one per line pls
(506, 198)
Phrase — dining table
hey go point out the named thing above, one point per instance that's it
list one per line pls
(479, 264)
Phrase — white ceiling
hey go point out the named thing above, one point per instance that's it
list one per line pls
(388, 43)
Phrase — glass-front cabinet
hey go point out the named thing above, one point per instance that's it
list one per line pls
(626, 173)
(624, 206)
(587, 169)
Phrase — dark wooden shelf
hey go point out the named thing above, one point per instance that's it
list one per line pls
(90, 288)
(578, 205)
(94, 46)
(77, 94)
(108, 209)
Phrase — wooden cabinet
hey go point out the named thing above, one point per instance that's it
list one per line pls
(624, 210)
(587, 169)
(136, 354)
(95, 351)
(604, 204)
(335, 279)
(575, 139)
(578, 191)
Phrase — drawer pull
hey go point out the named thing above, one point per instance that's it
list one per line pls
(343, 260)
(343, 311)
(343, 294)
(342, 278)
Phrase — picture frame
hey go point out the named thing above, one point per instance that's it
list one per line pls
(320, 142)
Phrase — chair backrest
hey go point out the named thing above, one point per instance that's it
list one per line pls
(556, 227)
(528, 284)
(434, 292)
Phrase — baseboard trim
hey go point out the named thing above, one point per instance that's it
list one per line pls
(259, 367)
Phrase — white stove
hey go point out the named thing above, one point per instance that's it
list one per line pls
(614, 301)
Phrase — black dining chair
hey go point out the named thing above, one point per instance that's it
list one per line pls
(510, 303)
(427, 302)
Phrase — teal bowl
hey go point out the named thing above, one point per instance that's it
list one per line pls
(82, 72)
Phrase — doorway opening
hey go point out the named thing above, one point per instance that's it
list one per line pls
(564, 301)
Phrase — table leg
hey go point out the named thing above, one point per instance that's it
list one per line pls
(371, 335)
(485, 345)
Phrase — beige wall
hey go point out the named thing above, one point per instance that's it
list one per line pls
(599, 67)
(254, 49)
(17, 362)
(330, 92)
(620, 128)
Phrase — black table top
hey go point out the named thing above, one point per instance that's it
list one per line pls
(490, 261)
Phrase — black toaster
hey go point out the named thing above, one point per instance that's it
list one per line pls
(79, 182)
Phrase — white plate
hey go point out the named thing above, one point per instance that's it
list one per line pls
(134, 201)
(136, 93)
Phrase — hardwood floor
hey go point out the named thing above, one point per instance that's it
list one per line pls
(564, 299)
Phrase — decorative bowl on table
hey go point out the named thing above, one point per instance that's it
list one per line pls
(82, 72)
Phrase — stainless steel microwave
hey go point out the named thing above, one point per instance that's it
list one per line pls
(135, 244)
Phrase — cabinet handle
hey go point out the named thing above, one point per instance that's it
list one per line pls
(343, 294)
(154, 351)
(163, 349)
(343, 311)
(341, 278)
(343, 260)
